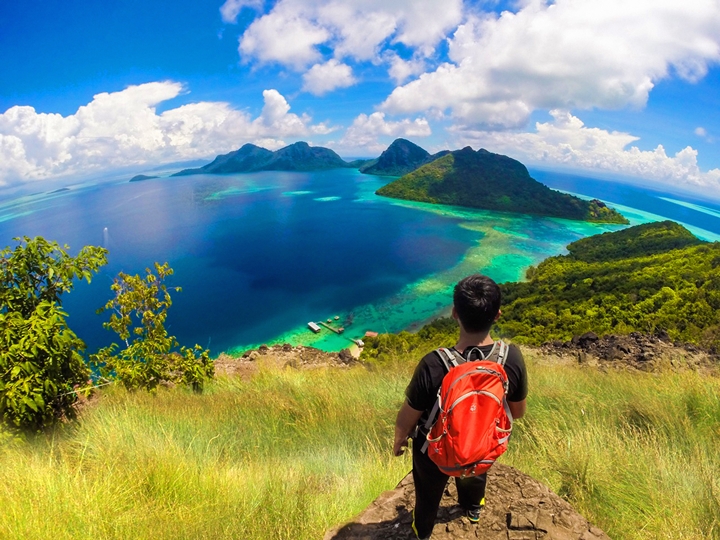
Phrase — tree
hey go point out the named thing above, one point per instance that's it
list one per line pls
(150, 356)
(40, 356)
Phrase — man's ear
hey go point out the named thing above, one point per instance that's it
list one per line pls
(498, 315)
(454, 314)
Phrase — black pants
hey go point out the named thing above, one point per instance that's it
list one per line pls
(429, 486)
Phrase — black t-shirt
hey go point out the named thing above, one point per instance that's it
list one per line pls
(422, 391)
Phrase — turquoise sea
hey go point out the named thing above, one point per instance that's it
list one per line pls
(260, 255)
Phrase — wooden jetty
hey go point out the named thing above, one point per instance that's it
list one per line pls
(336, 330)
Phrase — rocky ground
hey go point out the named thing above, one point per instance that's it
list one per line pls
(635, 351)
(518, 508)
(280, 356)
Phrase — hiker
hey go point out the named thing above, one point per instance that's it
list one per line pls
(476, 306)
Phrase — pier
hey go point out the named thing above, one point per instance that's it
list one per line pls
(336, 330)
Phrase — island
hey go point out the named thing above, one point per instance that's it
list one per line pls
(141, 177)
(492, 182)
(299, 157)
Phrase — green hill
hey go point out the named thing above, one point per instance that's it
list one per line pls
(492, 182)
(648, 278)
(638, 241)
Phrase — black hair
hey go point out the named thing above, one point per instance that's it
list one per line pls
(477, 302)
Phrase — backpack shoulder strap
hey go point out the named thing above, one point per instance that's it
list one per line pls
(498, 353)
(450, 358)
(502, 352)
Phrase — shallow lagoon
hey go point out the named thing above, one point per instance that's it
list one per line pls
(260, 255)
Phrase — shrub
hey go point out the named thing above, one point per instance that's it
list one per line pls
(150, 355)
(40, 356)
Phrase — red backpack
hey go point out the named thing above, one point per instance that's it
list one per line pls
(473, 421)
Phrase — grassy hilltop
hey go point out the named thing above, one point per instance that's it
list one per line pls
(287, 454)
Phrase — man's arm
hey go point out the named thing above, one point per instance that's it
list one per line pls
(405, 423)
(517, 408)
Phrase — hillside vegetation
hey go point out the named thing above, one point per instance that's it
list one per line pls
(492, 182)
(650, 278)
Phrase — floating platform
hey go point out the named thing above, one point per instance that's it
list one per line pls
(314, 327)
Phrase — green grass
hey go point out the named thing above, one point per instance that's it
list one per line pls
(282, 457)
(636, 453)
(291, 453)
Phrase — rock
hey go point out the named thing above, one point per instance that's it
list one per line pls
(587, 339)
(639, 351)
(346, 356)
(518, 508)
(613, 353)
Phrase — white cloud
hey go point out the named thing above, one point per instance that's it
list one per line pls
(570, 54)
(401, 70)
(293, 31)
(700, 131)
(365, 130)
(122, 129)
(284, 35)
(231, 9)
(324, 78)
(566, 141)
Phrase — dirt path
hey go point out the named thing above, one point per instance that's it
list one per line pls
(518, 508)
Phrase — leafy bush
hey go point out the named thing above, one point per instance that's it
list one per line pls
(40, 356)
(150, 355)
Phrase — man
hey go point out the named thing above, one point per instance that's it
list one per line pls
(476, 306)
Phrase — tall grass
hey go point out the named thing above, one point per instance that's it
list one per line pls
(290, 453)
(284, 456)
(637, 453)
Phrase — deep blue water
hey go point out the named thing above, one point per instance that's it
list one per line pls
(259, 255)
(255, 254)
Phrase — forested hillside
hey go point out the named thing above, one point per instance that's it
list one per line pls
(647, 278)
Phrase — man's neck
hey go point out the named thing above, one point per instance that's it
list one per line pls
(473, 340)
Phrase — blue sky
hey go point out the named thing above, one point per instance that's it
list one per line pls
(610, 88)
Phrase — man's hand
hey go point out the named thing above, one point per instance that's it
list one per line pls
(400, 444)
(405, 423)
